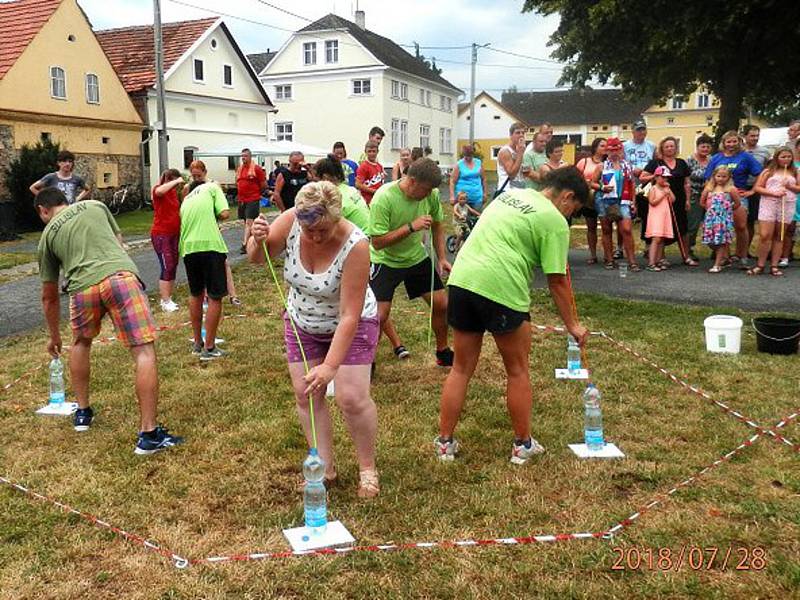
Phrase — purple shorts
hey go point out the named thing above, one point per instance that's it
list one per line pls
(166, 249)
(361, 351)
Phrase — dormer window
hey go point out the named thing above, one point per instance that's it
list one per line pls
(310, 53)
(332, 51)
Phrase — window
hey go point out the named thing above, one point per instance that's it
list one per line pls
(403, 134)
(332, 51)
(446, 140)
(496, 117)
(403, 91)
(214, 43)
(709, 119)
(310, 53)
(188, 156)
(677, 102)
(495, 150)
(146, 148)
(395, 134)
(283, 92)
(46, 136)
(107, 178)
(399, 90)
(58, 83)
(424, 136)
(670, 121)
(441, 102)
(428, 97)
(92, 89)
(395, 88)
(421, 96)
(624, 128)
(284, 131)
(703, 100)
(198, 73)
(448, 104)
(105, 140)
(227, 75)
(362, 87)
(232, 160)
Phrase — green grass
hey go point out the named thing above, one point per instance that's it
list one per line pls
(135, 222)
(12, 259)
(232, 487)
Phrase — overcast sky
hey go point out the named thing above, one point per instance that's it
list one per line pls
(428, 22)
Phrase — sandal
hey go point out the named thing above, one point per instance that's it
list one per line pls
(609, 265)
(715, 269)
(755, 270)
(634, 267)
(368, 486)
(664, 263)
(691, 263)
(654, 268)
(775, 272)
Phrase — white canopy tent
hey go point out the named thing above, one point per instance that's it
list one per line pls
(773, 137)
(262, 149)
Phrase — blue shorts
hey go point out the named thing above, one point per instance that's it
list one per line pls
(602, 206)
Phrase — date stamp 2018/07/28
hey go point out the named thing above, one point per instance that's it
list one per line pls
(688, 556)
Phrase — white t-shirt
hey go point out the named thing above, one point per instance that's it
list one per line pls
(314, 297)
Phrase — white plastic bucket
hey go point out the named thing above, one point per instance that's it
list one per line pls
(723, 333)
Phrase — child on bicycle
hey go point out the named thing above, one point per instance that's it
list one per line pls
(461, 212)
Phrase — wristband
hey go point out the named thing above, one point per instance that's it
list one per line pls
(410, 228)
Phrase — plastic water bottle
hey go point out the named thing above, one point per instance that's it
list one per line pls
(593, 419)
(314, 495)
(203, 321)
(573, 356)
(56, 381)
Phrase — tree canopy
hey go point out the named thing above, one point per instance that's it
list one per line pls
(744, 52)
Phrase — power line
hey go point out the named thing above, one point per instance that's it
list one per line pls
(435, 47)
(283, 10)
(222, 14)
(547, 60)
(480, 64)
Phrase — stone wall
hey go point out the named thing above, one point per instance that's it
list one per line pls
(129, 172)
(7, 155)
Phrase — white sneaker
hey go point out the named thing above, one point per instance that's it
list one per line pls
(169, 306)
(445, 451)
(520, 454)
(783, 263)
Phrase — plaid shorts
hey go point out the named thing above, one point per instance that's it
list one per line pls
(122, 296)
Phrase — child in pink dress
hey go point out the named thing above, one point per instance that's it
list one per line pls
(659, 217)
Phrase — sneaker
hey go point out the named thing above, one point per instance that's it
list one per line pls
(211, 353)
(155, 441)
(617, 254)
(82, 418)
(445, 450)
(197, 349)
(783, 263)
(401, 352)
(444, 358)
(520, 453)
(169, 306)
(235, 301)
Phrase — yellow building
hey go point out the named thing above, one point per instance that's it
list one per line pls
(686, 118)
(56, 83)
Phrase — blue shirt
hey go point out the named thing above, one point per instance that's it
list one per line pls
(741, 166)
(638, 155)
(350, 169)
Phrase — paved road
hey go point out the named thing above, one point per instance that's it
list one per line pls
(20, 307)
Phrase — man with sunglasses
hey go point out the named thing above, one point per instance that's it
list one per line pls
(73, 186)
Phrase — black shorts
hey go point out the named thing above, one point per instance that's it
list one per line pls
(586, 213)
(383, 280)
(206, 272)
(249, 210)
(753, 203)
(468, 311)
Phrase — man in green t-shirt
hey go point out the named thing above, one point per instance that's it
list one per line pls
(489, 290)
(398, 214)
(86, 242)
(533, 158)
(204, 253)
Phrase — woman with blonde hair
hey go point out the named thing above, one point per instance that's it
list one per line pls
(741, 165)
(332, 315)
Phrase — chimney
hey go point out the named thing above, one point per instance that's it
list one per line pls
(361, 19)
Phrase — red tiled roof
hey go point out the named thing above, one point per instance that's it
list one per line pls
(20, 21)
(132, 54)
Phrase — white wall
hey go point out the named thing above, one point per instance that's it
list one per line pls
(487, 123)
(290, 58)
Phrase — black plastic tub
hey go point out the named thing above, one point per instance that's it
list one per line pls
(777, 335)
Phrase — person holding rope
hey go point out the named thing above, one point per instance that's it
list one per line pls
(399, 213)
(331, 323)
(489, 289)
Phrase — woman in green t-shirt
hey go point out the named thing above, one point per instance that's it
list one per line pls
(489, 290)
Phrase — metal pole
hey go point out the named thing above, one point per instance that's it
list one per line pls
(472, 94)
(161, 125)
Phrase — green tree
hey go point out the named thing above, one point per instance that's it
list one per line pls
(744, 52)
(33, 163)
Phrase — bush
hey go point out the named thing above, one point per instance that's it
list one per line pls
(33, 163)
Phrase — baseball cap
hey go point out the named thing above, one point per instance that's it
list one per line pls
(663, 171)
(640, 124)
(613, 143)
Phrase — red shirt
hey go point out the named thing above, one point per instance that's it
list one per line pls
(249, 183)
(372, 175)
(166, 213)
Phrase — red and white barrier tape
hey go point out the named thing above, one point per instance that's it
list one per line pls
(178, 560)
(705, 395)
(11, 384)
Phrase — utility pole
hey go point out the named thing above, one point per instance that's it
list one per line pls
(161, 125)
(472, 92)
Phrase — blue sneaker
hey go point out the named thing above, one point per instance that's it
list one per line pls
(82, 418)
(154, 441)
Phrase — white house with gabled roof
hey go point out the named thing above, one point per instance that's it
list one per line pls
(334, 79)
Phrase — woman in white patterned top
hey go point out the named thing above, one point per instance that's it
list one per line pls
(335, 313)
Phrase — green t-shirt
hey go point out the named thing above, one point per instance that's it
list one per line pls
(354, 208)
(82, 239)
(534, 160)
(199, 212)
(391, 209)
(519, 230)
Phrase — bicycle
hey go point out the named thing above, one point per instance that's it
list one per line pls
(454, 242)
(117, 200)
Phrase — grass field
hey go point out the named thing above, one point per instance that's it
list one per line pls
(233, 486)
